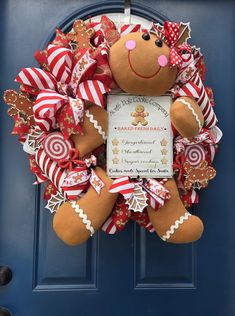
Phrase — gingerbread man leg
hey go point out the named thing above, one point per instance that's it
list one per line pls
(172, 222)
(134, 122)
(75, 222)
(187, 117)
(143, 121)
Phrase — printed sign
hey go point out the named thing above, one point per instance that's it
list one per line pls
(140, 141)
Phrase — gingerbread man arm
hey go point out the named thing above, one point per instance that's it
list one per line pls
(186, 116)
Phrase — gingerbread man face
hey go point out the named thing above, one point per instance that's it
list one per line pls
(139, 108)
(140, 64)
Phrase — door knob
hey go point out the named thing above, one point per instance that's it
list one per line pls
(5, 276)
(4, 312)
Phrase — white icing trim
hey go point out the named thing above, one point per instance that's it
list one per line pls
(83, 216)
(96, 126)
(193, 112)
(176, 225)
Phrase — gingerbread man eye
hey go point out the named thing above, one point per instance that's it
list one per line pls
(146, 36)
(158, 43)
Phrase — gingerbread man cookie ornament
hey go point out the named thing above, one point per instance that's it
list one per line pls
(80, 36)
(199, 175)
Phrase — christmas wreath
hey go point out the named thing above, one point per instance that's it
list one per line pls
(61, 120)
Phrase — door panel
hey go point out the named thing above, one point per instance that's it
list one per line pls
(133, 272)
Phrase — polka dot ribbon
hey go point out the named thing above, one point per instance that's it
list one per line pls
(172, 34)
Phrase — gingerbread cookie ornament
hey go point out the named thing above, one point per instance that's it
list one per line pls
(80, 36)
(62, 122)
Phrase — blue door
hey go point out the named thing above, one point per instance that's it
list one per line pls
(133, 272)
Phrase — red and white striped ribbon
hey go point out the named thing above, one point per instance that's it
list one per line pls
(122, 185)
(92, 90)
(194, 86)
(36, 78)
(188, 90)
(50, 169)
(99, 32)
(204, 103)
(194, 197)
(40, 178)
(48, 102)
(129, 28)
(60, 62)
(109, 226)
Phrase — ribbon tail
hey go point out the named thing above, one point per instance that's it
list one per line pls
(60, 62)
(123, 186)
(157, 194)
(96, 182)
(77, 106)
(93, 91)
(36, 78)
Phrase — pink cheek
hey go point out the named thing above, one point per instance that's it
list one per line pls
(162, 60)
(130, 45)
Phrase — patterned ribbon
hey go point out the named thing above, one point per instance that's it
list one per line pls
(81, 177)
(66, 79)
(157, 194)
(170, 33)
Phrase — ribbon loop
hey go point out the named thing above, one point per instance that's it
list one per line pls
(60, 62)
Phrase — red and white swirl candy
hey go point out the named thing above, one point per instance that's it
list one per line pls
(56, 146)
(195, 154)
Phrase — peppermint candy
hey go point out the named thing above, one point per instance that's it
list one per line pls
(195, 154)
(56, 146)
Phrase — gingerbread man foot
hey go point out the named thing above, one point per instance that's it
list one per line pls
(172, 222)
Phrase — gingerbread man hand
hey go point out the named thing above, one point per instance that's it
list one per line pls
(187, 117)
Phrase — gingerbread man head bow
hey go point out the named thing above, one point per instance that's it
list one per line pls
(175, 36)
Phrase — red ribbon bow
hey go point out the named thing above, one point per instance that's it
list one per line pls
(77, 179)
(68, 78)
(71, 161)
(172, 34)
(179, 165)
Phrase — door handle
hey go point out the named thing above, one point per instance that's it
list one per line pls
(5, 276)
(4, 312)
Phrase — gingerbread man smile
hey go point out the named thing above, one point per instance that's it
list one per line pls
(161, 60)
